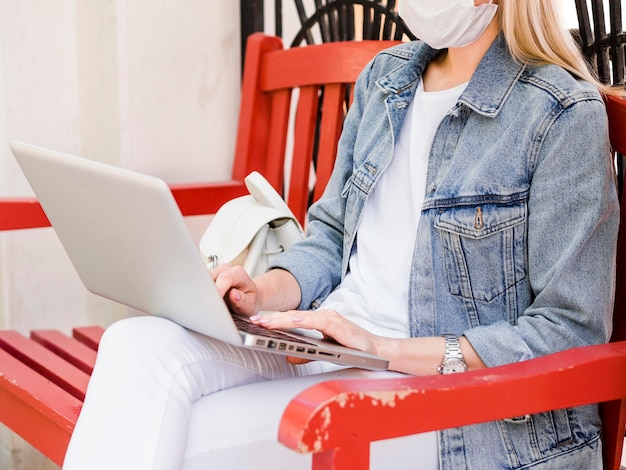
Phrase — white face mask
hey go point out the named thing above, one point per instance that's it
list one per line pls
(447, 23)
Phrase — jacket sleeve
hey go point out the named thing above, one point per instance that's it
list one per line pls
(573, 218)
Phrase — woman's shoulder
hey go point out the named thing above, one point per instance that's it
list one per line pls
(559, 85)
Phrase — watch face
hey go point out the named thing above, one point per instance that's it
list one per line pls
(453, 365)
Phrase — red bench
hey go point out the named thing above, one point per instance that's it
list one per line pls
(43, 379)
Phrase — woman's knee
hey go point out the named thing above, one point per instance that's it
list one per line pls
(138, 336)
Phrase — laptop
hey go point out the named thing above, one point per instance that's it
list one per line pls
(128, 241)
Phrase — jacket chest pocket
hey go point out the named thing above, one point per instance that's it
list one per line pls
(484, 248)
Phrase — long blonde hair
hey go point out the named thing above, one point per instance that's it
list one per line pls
(536, 34)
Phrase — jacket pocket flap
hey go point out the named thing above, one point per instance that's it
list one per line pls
(478, 221)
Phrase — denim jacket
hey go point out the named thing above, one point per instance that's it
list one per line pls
(516, 243)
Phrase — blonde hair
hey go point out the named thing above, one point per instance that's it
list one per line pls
(536, 34)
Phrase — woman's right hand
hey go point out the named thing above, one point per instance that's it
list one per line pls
(276, 290)
(239, 291)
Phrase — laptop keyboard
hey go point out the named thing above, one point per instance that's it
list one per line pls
(251, 328)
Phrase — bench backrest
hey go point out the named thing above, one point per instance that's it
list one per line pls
(613, 413)
(323, 75)
(616, 110)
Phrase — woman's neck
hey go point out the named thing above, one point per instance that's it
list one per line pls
(457, 65)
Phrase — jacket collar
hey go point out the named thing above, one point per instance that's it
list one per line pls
(488, 89)
(493, 80)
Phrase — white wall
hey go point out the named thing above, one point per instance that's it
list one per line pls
(146, 84)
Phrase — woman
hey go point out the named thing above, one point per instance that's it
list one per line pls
(470, 221)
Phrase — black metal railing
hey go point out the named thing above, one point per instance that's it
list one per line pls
(336, 20)
(328, 20)
(252, 20)
(603, 46)
(347, 20)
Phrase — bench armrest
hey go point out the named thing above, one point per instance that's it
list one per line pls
(337, 420)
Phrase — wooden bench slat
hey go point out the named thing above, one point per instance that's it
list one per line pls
(192, 198)
(45, 362)
(88, 335)
(70, 349)
(39, 411)
(21, 213)
(300, 64)
(206, 198)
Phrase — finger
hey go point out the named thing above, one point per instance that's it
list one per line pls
(328, 322)
(273, 320)
(231, 277)
(241, 302)
(219, 270)
(297, 360)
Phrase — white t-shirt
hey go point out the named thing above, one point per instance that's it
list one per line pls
(374, 293)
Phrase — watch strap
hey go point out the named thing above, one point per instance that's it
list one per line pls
(453, 347)
(453, 360)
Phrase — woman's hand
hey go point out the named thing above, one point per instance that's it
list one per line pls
(239, 291)
(275, 290)
(330, 323)
(416, 356)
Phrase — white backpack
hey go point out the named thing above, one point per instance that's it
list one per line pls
(251, 230)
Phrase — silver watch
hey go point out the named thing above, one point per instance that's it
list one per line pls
(453, 361)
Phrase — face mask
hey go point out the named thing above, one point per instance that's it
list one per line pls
(447, 23)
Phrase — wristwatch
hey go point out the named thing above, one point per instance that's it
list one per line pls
(453, 361)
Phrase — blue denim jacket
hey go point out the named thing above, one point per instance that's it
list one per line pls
(516, 243)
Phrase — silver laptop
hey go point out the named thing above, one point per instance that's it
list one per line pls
(128, 241)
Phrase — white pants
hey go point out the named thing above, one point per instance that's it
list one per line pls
(163, 397)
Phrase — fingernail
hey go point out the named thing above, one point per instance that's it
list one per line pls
(297, 319)
(255, 317)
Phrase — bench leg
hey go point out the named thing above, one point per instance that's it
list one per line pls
(354, 458)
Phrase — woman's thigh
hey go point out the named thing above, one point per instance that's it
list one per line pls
(148, 373)
(238, 428)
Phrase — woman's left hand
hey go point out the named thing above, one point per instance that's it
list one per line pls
(330, 323)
